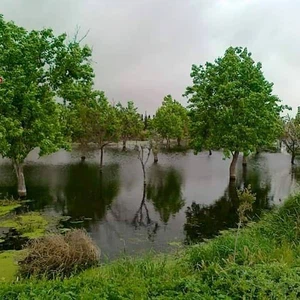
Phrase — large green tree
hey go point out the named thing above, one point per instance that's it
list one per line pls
(37, 68)
(171, 120)
(232, 106)
(130, 121)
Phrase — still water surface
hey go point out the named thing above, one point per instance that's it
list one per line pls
(187, 197)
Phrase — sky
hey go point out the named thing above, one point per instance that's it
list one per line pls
(143, 50)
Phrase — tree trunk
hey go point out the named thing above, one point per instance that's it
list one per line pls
(155, 156)
(179, 142)
(232, 168)
(101, 157)
(124, 145)
(168, 144)
(244, 160)
(21, 179)
(293, 158)
(209, 152)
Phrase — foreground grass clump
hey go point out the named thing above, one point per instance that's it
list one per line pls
(31, 225)
(6, 206)
(266, 266)
(59, 255)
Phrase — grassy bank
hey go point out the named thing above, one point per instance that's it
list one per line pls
(266, 266)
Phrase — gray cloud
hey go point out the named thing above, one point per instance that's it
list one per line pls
(144, 49)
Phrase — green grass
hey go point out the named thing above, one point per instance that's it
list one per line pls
(31, 225)
(267, 266)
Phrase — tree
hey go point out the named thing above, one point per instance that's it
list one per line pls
(291, 136)
(171, 120)
(232, 106)
(97, 122)
(130, 121)
(37, 67)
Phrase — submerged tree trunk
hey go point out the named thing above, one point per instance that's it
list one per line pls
(124, 145)
(244, 160)
(209, 152)
(21, 179)
(168, 144)
(155, 155)
(179, 142)
(101, 157)
(293, 158)
(232, 168)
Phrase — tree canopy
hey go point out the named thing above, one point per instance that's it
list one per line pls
(38, 68)
(232, 106)
(130, 122)
(291, 136)
(96, 121)
(171, 120)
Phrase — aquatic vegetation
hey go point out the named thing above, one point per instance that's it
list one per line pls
(6, 206)
(31, 225)
(9, 265)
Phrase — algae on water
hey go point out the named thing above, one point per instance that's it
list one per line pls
(8, 265)
(31, 225)
(6, 206)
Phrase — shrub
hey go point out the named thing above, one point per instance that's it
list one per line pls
(59, 255)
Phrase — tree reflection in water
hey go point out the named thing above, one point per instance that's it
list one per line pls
(203, 222)
(89, 192)
(142, 218)
(164, 191)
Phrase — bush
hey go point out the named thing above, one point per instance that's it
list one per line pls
(59, 255)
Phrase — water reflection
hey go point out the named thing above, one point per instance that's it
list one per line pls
(206, 221)
(187, 196)
(164, 190)
(142, 218)
(88, 193)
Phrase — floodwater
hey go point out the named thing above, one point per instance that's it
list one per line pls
(187, 197)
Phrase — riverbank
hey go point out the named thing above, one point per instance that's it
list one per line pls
(266, 266)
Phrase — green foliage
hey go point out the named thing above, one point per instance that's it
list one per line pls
(171, 120)
(130, 121)
(247, 199)
(232, 105)
(291, 135)
(37, 67)
(95, 120)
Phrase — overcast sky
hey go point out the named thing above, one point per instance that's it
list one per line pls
(144, 49)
